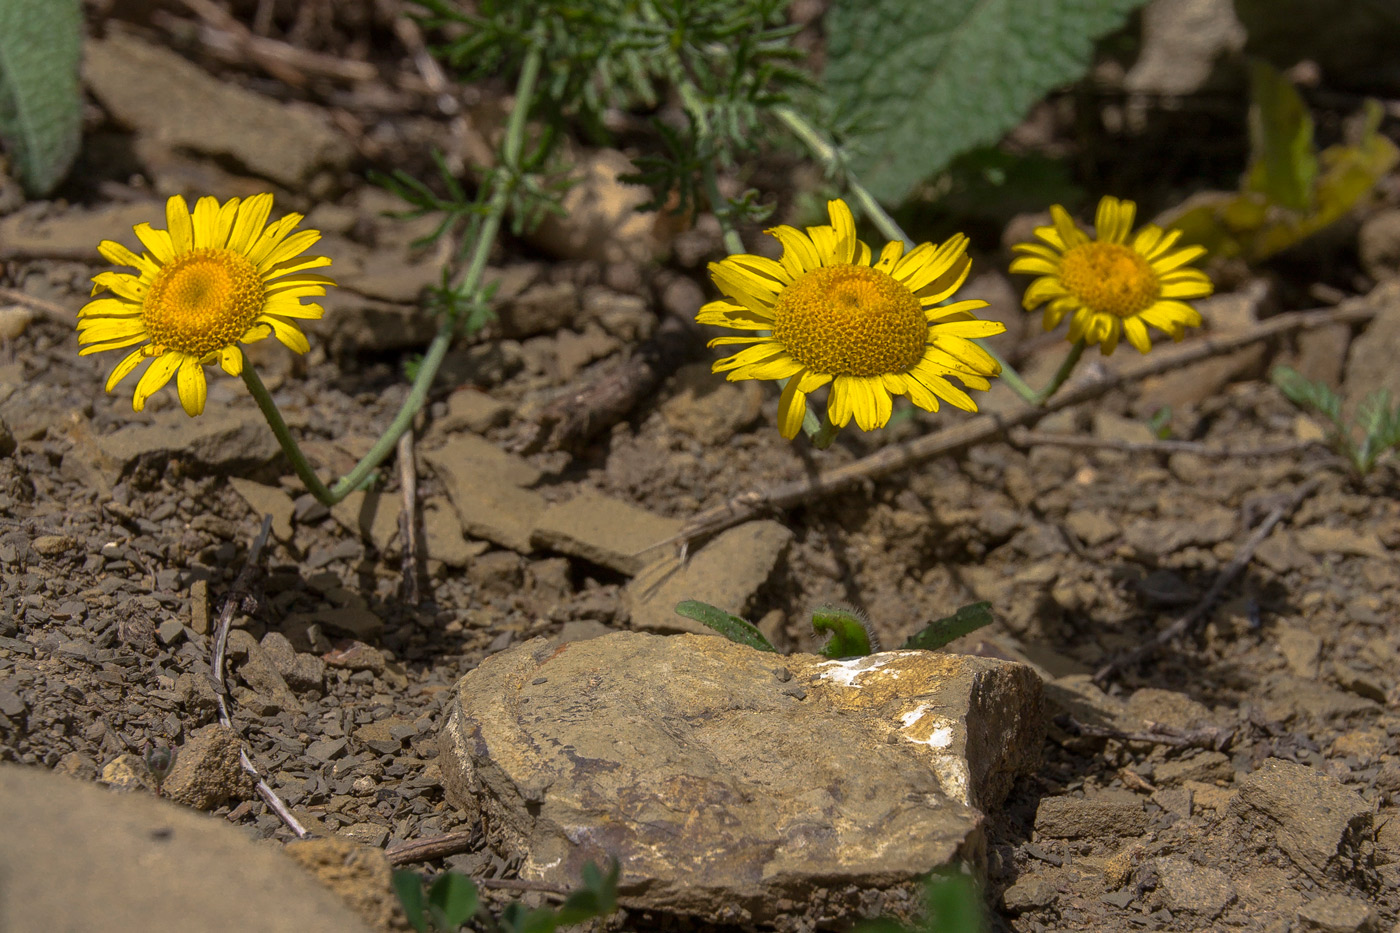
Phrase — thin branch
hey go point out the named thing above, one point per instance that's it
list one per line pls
(434, 847)
(408, 521)
(241, 594)
(1023, 437)
(224, 35)
(1208, 602)
(896, 457)
(1157, 733)
(53, 312)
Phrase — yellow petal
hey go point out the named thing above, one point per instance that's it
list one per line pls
(792, 409)
(157, 241)
(155, 376)
(249, 222)
(231, 359)
(191, 385)
(181, 227)
(124, 368)
(799, 255)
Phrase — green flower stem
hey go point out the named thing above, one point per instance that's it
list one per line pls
(830, 157)
(511, 149)
(1071, 360)
(733, 244)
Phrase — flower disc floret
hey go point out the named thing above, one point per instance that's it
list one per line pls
(1114, 285)
(852, 320)
(202, 301)
(826, 313)
(217, 277)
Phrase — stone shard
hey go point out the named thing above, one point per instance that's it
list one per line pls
(606, 531)
(726, 573)
(733, 784)
(1323, 826)
(223, 442)
(484, 484)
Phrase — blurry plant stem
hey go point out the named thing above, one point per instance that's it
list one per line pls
(734, 244)
(506, 180)
(832, 160)
(1071, 360)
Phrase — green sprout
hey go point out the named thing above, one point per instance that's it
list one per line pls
(1376, 423)
(850, 633)
(452, 899)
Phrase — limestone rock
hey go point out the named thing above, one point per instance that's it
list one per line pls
(485, 486)
(360, 875)
(1104, 814)
(144, 864)
(1196, 890)
(220, 441)
(1337, 913)
(1181, 42)
(601, 217)
(1324, 827)
(207, 772)
(1371, 359)
(735, 784)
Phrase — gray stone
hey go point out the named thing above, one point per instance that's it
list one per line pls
(361, 875)
(1338, 913)
(707, 407)
(1029, 893)
(1205, 766)
(484, 484)
(1162, 537)
(474, 410)
(284, 141)
(727, 573)
(1378, 242)
(1197, 890)
(606, 531)
(207, 772)
(300, 671)
(371, 515)
(1371, 359)
(732, 783)
(260, 673)
(144, 864)
(1104, 814)
(1324, 827)
(1181, 42)
(267, 500)
(221, 440)
(541, 309)
(601, 217)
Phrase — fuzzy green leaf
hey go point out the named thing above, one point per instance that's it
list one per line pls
(409, 887)
(937, 634)
(849, 636)
(1303, 392)
(1284, 162)
(452, 900)
(40, 103)
(731, 627)
(929, 79)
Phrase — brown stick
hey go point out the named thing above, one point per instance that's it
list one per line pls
(1156, 734)
(982, 428)
(434, 847)
(1022, 437)
(571, 420)
(408, 520)
(234, 42)
(1208, 602)
(50, 310)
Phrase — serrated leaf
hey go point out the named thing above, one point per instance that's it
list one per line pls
(732, 627)
(40, 103)
(1283, 162)
(934, 78)
(937, 634)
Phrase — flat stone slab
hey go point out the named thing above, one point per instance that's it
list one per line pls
(606, 531)
(727, 573)
(485, 486)
(737, 785)
(78, 857)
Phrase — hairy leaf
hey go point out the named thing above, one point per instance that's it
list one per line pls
(849, 636)
(40, 103)
(409, 887)
(937, 634)
(929, 79)
(1302, 391)
(731, 627)
(452, 899)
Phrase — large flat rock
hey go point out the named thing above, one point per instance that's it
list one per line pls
(737, 785)
(78, 857)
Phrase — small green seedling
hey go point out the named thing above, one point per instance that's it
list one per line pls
(952, 904)
(850, 634)
(1376, 422)
(452, 900)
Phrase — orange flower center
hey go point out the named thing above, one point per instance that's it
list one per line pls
(1109, 277)
(203, 301)
(850, 321)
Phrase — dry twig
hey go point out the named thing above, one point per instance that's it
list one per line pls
(241, 595)
(50, 310)
(408, 520)
(1156, 734)
(983, 428)
(433, 847)
(1022, 437)
(1212, 596)
(233, 42)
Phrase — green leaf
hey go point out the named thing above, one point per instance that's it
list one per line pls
(1283, 161)
(849, 636)
(731, 627)
(930, 79)
(452, 899)
(409, 887)
(937, 634)
(40, 102)
(1303, 392)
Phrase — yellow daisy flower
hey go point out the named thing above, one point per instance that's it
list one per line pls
(211, 281)
(825, 314)
(1112, 286)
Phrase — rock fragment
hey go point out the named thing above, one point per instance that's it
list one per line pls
(606, 531)
(1104, 814)
(734, 784)
(1322, 826)
(207, 772)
